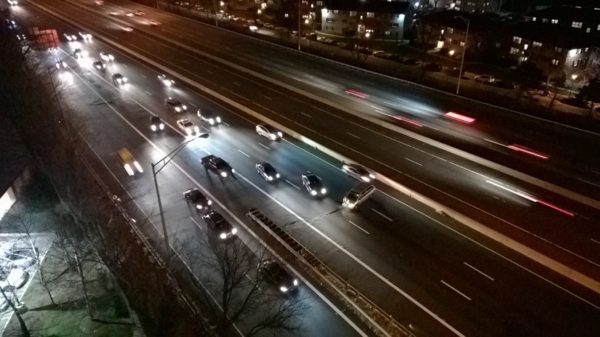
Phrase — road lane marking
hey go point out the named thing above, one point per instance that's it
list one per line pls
(352, 135)
(263, 145)
(588, 182)
(294, 185)
(236, 83)
(306, 127)
(383, 215)
(236, 94)
(455, 290)
(264, 107)
(305, 114)
(479, 271)
(194, 105)
(209, 71)
(267, 97)
(148, 92)
(595, 241)
(226, 124)
(357, 226)
(244, 153)
(414, 162)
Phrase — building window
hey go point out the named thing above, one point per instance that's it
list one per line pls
(576, 24)
(525, 46)
(462, 43)
(598, 27)
(319, 3)
(586, 49)
(533, 19)
(554, 21)
(514, 50)
(517, 39)
(370, 14)
(558, 49)
(450, 30)
(537, 44)
(555, 62)
(352, 13)
(588, 29)
(336, 11)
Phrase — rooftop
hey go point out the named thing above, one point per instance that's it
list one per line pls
(377, 6)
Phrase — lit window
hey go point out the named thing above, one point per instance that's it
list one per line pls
(576, 24)
(352, 13)
(554, 21)
(514, 50)
(555, 62)
(450, 30)
(517, 39)
(588, 29)
(370, 14)
(533, 18)
(335, 11)
(525, 46)
(598, 27)
(537, 44)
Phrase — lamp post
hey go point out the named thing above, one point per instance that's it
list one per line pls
(161, 164)
(299, 22)
(462, 59)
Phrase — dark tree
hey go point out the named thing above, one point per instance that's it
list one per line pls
(591, 93)
(527, 76)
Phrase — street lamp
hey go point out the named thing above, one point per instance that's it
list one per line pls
(462, 59)
(161, 164)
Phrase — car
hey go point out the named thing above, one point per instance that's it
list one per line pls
(268, 132)
(358, 172)
(107, 57)
(267, 171)
(209, 116)
(194, 196)
(11, 24)
(130, 165)
(130, 14)
(275, 274)
(119, 80)
(313, 184)
(70, 37)
(218, 224)
(487, 79)
(127, 29)
(79, 54)
(165, 80)
(87, 37)
(433, 67)
(409, 61)
(187, 126)
(16, 278)
(174, 105)
(61, 65)
(99, 65)
(357, 195)
(156, 124)
(153, 22)
(13, 2)
(138, 13)
(217, 165)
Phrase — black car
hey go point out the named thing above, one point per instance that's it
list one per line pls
(99, 65)
(313, 184)
(156, 124)
(267, 171)
(209, 116)
(219, 225)
(433, 67)
(174, 105)
(275, 274)
(119, 80)
(217, 165)
(196, 197)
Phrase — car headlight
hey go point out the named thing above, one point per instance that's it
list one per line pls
(232, 171)
(153, 127)
(177, 109)
(280, 134)
(199, 206)
(223, 174)
(295, 282)
(283, 289)
(161, 126)
(124, 79)
(313, 192)
(269, 178)
(211, 121)
(273, 136)
(223, 236)
(277, 176)
(209, 202)
(233, 230)
(323, 190)
(218, 119)
(184, 107)
(365, 179)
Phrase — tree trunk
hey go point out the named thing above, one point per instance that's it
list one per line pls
(83, 285)
(24, 329)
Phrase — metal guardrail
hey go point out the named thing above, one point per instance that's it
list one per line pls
(380, 322)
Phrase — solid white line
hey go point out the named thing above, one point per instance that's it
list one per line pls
(595, 241)
(305, 114)
(148, 92)
(353, 135)
(414, 162)
(194, 105)
(267, 97)
(357, 226)
(383, 215)
(294, 185)
(263, 145)
(494, 142)
(479, 271)
(244, 153)
(455, 290)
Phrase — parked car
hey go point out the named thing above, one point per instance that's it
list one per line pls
(433, 67)
(486, 79)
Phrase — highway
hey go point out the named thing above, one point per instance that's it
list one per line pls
(519, 209)
(471, 287)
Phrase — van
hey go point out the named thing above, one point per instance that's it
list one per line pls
(357, 195)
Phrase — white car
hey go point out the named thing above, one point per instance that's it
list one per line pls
(269, 132)
(209, 117)
(61, 65)
(127, 29)
(70, 37)
(13, 2)
(107, 57)
(188, 127)
(17, 277)
(358, 172)
(165, 80)
(87, 37)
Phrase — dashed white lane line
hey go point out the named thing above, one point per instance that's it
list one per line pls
(306, 127)
(305, 114)
(194, 105)
(267, 97)
(293, 185)
(236, 94)
(226, 124)
(357, 226)
(263, 145)
(244, 153)
(455, 290)
(414, 162)
(237, 84)
(595, 241)
(383, 215)
(352, 135)
(479, 271)
(148, 92)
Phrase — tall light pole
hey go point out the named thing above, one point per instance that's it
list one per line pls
(299, 22)
(462, 59)
(161, 164)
